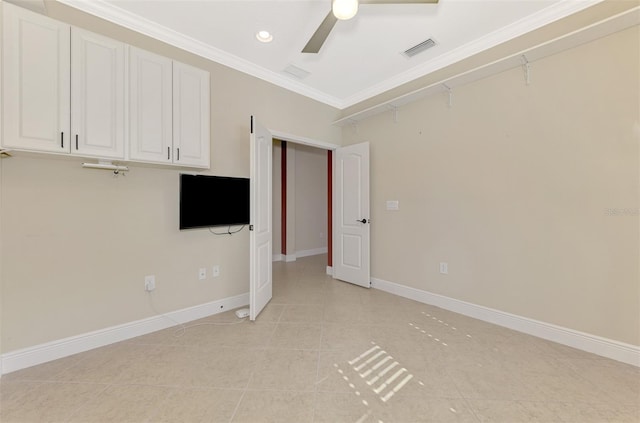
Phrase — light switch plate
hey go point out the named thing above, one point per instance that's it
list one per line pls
(393, 205)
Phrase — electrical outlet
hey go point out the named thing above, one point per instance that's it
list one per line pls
(149, 283)
(444, 268)
(215, 271)
(202, 273)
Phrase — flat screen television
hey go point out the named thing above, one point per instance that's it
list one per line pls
(207, 201)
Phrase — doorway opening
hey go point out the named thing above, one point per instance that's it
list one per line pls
(302, 201)
(350, 221)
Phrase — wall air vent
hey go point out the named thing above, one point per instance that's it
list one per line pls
(296, 72)
(419, 48)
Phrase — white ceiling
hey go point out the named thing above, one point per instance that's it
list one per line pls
(360, 59)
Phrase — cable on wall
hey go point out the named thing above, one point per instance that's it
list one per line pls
(394, 111)
(354, 126)
(229, 231)
(450, 92)
(527, 69)
(181, 327)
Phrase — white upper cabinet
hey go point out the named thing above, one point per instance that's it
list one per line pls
(168, 111)
(36, 78)
(97, 95)
(150, 107)
(70, 91)
(190, 115)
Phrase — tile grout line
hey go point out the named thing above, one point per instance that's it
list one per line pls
(253, 371)
(463, 385)
(81, 406)
(235, 410)
(317, 381)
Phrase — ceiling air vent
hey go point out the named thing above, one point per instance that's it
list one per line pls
(419, 48)
(296, 72)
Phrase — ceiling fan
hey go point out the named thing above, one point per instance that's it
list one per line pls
(343, 10)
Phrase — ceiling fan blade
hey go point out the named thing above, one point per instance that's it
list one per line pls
(397, 1)
(319, 37)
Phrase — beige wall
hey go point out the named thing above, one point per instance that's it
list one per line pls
(512, 186)
(78, 242)
(291, 200)
(311, 198)
(276, 217)
(306, 192)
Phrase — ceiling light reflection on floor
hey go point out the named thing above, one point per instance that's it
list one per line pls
(439, 321)
(444, 344)
(376, 366)
(382, 373)
(375, 362)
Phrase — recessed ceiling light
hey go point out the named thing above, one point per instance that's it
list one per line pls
(264, 36)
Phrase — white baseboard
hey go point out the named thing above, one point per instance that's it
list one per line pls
(604, 347)
(313, 252)
(299, 254)
(284, 257)
(330, 270)
(27, 357)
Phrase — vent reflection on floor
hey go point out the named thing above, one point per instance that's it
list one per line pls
(382, 375)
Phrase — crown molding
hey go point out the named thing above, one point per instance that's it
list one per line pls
(544, 17)
(144, 26)
(572, 39)
(136, 23)
(38, 6)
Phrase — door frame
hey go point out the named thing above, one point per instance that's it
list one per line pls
(303, 140)
(282, 136)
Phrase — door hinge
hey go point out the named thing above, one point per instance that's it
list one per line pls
(250, 227)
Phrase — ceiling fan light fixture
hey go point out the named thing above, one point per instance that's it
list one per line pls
(344, 9)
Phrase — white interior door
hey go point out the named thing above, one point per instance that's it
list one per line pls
(351, 250)
(261, 283)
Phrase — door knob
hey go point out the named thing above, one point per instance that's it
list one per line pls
(363, 221)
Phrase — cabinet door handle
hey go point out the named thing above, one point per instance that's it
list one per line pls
(168, 153)
(178, 153)
(61, 139)
(76, 141)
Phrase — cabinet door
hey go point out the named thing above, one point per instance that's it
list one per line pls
(190, 116)
(97, 95)
(150, 107)
(36, 81)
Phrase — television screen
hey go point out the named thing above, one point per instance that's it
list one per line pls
(213, 201)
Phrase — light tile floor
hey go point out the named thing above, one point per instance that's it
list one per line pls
(327, 351)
